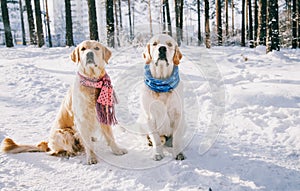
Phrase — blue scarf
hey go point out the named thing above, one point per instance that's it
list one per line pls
(161, 85)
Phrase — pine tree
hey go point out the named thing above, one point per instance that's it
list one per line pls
(110, 23)
(243, 43)
(69, 27)
(207, 29)
(39, 23)
(6, 23)
(93, 27)
(30, 19)
(219, 21)
(294, 25)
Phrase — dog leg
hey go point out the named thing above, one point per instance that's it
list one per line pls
(178, 134)
(107, 131)
(157, 147)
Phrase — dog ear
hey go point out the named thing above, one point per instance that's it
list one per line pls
(75, 56)
(147, 55)
(106, 54)
(177, 56)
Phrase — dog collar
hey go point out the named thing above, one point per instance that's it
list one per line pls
(161, 85)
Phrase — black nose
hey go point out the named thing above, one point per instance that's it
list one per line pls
(90, 57)
(162, 52)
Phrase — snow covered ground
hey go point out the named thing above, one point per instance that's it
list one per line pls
(249, 99)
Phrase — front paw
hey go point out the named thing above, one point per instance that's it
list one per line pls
(157, 156)
(119, 151)
(92, 160)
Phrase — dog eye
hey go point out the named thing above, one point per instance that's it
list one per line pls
(169, 44)
(154, 43)
(97, 48)
(83, 49)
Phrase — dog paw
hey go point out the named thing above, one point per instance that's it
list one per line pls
(92, 160)
(158, 157)
(180, 156)
(119, 151)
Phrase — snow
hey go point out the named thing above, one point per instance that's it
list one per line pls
(242, 113)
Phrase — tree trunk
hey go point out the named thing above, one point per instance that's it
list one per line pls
(93, 19)
(120, 14)
(226, 18)
(179, 20)
(22, 23)
(255, 21)
(6, 23)
(129, 16)
(219, 21)
(273, 27)
(294, 25)
(169, 23)
(163, 20)
(117, 22)
(298, 24)
(207, 29)
(69, 27)
(39, 23)
(232, 17)
(110, 27)
(48, 24)
(250, 25)
(243, 24)
(199, 22)
(262, 22)
(30, 19)
(150, 17)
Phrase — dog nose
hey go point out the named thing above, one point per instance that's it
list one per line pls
(162, 52)
(90, 57)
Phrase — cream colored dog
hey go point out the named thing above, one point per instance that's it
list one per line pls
(162, 96)
(78, 120)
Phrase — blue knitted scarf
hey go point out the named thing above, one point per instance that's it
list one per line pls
(161, 85)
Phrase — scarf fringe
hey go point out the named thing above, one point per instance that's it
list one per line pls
(106, 114)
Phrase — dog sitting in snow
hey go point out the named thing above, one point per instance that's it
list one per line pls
(88, 106)
(162, 96)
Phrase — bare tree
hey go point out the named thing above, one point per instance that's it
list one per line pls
(243, 43)
(120, 13)
(219, 21)
(232, 17)
(69, 27)
(22, 23)
(250, 25)
(130, 24)
(150, 17)
(48, 24)
(294, 25)
(30, 22)
(199, 22)
(179, 20)
(255, 20)
(273, 26)
(93, 19)
(6, 23)
(262, 22)
(39, 23)
(117, 22)
(226, 18)
(110, 23)
(298, 24)
(169, 23)
(207, 29)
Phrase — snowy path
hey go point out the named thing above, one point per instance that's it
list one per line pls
(255, 96)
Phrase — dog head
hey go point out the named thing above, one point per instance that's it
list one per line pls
(162, 53)
(91, 57)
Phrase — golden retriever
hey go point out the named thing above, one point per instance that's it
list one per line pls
(84, 110)
(162, 96)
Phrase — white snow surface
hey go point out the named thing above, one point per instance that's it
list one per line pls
(243, 99)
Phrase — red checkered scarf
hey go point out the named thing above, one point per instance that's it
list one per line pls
(106, 98)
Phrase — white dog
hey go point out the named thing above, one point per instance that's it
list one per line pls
(162, 96)
(87, 107)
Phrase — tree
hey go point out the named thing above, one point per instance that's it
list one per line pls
(243, 43)
(39, 24)
(117, 22)
(150, 17)
(30, 19)
(120, 13)
(179, 20)
(22, 23)
(250, 25)
(255, 20)
(273, 26)
(262, 22)
(6, 23)
(232, 16)
(199, 23)
(93, 27)
(298, 24)
(226, 18)
(110, 27)
(130, 24)
(219, 21)
(69, 27)
(169, 23)
(294, 25)
(48, 24)
(207, 29)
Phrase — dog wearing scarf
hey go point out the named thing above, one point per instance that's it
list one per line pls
(87, 107)
(162, 96)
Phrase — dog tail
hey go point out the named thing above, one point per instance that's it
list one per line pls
(9, 146)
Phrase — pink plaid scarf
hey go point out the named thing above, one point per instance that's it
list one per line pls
(106, 98)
